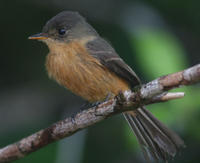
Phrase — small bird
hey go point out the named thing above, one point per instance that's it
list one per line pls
(86, 64)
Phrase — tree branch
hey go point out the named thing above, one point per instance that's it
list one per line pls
(152, 92)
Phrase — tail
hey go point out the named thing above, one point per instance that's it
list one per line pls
(155, 139)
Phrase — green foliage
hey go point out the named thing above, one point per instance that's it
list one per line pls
(159, 53)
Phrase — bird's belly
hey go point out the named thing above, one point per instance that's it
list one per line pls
(94, 83)
(84, 75)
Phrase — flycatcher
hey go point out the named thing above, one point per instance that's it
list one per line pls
(87, 65)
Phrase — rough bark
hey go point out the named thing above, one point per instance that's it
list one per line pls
(152, 92)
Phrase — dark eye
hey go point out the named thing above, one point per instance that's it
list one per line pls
(61, 31)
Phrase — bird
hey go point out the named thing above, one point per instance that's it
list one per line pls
(86, 64)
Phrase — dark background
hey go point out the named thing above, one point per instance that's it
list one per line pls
(154, 37)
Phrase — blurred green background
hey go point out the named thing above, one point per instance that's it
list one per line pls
(154, 37)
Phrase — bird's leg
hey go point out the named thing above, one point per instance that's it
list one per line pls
(100, 102)
(86, 105)
(73, 118)
(95, 104)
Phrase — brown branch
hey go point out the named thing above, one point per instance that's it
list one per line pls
(152, 92)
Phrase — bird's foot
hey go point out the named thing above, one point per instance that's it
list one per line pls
(96, 104)
(73, 118)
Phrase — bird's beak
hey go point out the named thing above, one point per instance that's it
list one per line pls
(39, 36)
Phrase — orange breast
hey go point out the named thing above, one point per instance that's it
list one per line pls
(71, 66)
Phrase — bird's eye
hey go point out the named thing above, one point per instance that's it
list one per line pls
(61, 31)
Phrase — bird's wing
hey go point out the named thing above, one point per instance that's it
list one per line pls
(103, 51)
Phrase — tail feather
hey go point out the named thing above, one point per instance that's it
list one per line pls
(144, 140)
(155, 139)
(178, 142)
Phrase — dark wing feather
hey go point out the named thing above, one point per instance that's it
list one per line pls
(156, 139)
(104, 52)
